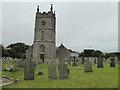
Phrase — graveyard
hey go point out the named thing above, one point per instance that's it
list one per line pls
(43, 64)
(106, 77)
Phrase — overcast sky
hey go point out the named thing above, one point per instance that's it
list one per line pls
(79, 25)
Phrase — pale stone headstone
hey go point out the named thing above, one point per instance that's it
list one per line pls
(62, 70)
(108, 60)
(79, 61)
(29, 70)
(100, 62)
(116, 60)
(112, 62)
(52, 72)
(87, 65)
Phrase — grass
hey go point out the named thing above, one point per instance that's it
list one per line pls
(106, 77)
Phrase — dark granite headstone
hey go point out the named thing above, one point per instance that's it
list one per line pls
(99, 62)
(112, 62)
(29, 70)
(52, 72)
(87, 65)
(62, 70)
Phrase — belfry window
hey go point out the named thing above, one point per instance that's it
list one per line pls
(42, 48)
(43, 22)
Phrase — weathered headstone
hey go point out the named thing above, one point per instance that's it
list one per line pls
(52, 72)
(29, 70)
(62, 70)
(87, 65)
(79, 61)
(100, 62)
(116, 60)
(112, 62)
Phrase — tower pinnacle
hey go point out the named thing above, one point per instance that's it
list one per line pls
(38, 8)
(51, 9)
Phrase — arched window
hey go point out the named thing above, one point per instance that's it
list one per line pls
(42, 48)
(43, 22)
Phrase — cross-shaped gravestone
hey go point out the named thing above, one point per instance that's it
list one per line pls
(74, 61)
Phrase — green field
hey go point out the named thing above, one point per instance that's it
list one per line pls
(106, 77)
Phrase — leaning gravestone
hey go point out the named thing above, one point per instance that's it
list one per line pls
(100, 62)
(112, 62)
(62, 70)
(52, 72)
(87, 65)
(29, 70)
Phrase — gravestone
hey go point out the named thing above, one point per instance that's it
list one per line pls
(74, 61)
(83, 60)
(112, 62)
(29, 70)
(87, 65)
(52, 72)
(79, 61)
(108, 60)
(104, 59)
(100, 62)
(116, 60)
(62, 70)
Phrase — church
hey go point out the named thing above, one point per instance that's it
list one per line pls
(44, 45)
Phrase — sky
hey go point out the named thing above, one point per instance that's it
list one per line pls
(79, 25)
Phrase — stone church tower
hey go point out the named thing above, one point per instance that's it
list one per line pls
(44, 46)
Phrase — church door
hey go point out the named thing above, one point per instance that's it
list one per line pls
(42, 57)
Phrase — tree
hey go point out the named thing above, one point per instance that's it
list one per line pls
(97, 53)
(16, 50)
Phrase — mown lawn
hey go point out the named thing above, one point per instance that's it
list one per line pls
(106, 77)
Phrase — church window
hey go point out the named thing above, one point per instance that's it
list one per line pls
(43, 22)
(42, 48)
